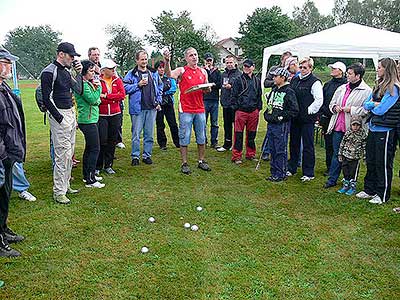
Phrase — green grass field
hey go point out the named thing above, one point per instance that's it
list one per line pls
(257, 240)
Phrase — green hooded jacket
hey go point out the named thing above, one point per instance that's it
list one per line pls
(88, 104)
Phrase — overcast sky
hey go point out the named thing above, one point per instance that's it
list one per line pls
(82, 22)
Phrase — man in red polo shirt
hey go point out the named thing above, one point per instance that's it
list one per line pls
(191, 106)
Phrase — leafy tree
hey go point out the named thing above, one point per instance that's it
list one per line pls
(310, 20)
(265, 27)
(122, 46)
(177, 33)
(35, 45)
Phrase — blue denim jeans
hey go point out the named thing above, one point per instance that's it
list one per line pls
(336, 167)
(186, 121)
(211, 109)
(20, 183)
(145, 122)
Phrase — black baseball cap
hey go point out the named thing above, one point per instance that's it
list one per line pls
(7, 55)
(208, 55)
(67, 48)
(248, 62)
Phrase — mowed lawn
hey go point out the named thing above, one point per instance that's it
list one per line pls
(257, 240)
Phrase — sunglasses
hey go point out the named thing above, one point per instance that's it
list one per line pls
(209, 59)
(247, 66)
(303, 67)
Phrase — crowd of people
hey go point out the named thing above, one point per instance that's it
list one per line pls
(358, 122)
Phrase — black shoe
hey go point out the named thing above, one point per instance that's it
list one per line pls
(5, 249)
(12, 237)
(163, 148)
(185, 169)
(135, 162)
(203, 165)
(328, 185)
(276, 179)
(147, 161)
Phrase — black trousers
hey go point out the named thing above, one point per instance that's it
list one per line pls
(168, 111)
(380, 154)
(302, 132)
(350, 168)
(328, 150)
(5, 193)
(119, 137)
(91, 152)
(108, 134)
(229, 119)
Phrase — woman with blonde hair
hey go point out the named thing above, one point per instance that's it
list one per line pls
(384, 106)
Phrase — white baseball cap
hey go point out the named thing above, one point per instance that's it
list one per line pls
(108, 63)
(338, 65)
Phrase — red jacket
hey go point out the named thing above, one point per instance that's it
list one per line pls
(110, 105)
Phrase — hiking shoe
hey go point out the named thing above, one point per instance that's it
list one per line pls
(12, 237)
(62, 199)
(147, 161)
(72, 191)
(25, 195)
(238, 162)
(5, 249)
(376, 200)
(109, 171)
(135, 162)
(364, 195)
(203, 165)
(120, 145)
(185, 169)
(95, 184)
(307, 178)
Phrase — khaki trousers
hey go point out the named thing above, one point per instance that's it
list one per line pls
(63, 137)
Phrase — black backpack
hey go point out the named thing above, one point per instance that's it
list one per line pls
(51, 68)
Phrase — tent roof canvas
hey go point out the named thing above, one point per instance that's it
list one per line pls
(347, 40)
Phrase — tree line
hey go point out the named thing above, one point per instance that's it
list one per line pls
(264, 27)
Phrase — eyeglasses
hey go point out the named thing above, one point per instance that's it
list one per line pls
(303, 67)
(6, 62)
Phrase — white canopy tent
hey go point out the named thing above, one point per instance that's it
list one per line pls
(348, 40)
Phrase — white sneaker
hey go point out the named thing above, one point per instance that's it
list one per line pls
(288, 174)
(376, 200)
(120, 145)
(97, 178)
(95, 185)
(306, 178)
(27, 196)
(221, 149)
(364, 195)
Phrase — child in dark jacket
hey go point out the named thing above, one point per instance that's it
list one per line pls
(351, 150)
(282, 106)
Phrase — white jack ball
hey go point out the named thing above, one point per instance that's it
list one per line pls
(199, 208)
(144, 249)
(152, 219)
(194, 227)
(186, 225)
